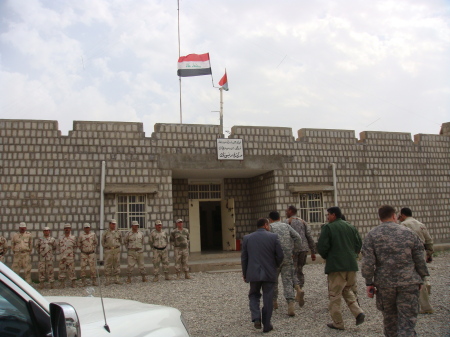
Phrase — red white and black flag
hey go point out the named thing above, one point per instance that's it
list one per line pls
(194, 65)
(224, 82)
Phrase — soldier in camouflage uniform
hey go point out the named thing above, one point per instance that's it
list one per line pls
(134, 243)
(180, 240)
(67, 245)
(87, 242)
(46, 248)
(111, 242)
(290, 243)
(421, 230)
(159, 240)
(21, 243)
(394, 267)
(3, 248)
(302, 228)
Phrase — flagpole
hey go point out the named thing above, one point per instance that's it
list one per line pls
(221, 111)
(179, 55)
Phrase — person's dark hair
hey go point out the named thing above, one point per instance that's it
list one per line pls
(261, 222)
(293, 209)
(336, 211)
(386, 212)
(274, 215)
(406, 211)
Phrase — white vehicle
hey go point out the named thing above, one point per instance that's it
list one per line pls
(25, 313)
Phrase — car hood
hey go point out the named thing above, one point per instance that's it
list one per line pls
(124, 317)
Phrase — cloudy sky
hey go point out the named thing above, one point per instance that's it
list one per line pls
(349, 64)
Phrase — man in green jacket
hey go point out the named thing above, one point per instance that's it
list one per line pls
(339, 244)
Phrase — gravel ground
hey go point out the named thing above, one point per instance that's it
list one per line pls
(218, 304)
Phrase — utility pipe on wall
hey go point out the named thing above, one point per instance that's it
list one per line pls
(102, 205)
(333, 166)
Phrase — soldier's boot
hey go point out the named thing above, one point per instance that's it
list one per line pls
(117, 281)
(83, 282)
(51, 285)
(178, 275)
(429, 289)
(62, 284)
(129, 279)
(108, 281)
(291, 308)
(186, 275)
(144, 279)
(300, 296)
(275, 304)
(41, 285)
(74, 283)
(167, 277)
(94, 281)
(156, 278)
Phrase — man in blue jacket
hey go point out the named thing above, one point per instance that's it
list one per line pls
(339, 244)
(261, 255)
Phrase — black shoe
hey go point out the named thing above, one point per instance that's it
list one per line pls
(257, 324)
(331, 326)
(268, 329)
(360, 318)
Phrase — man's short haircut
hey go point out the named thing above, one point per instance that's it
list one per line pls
(274, 215)
(261, 222)
(386, 212)
(336, 211)
(406, 211)
(293, 209)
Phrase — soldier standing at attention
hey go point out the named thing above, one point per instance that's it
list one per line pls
(3, 248)
(302, 228)
(394, 268)
(21, 247)
(87, 242)
(159, 240)
(290, 244)
(421, 230)
(46, 248)
(339, 244)
(67, 246)
(134, 243)
(180, 240)
(111, 242)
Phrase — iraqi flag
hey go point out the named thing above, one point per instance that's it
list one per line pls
(194, 65)
(224, 82)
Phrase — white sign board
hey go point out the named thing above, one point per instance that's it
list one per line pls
(230, 149)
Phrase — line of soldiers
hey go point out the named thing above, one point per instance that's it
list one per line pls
(112, 241)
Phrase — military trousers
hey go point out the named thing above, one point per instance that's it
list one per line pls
(160, 257)
(88, 260)
(400, 307)
(299, 263)
(112, 262)
(22, 260)
(46, 270)
(181, 259)
(286, 269)
(135, 258)
(340, 285)
(67, 268)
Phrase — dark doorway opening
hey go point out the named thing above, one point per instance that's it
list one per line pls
(210, 225)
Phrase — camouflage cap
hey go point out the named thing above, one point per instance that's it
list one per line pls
(158, 222)
(134, 223)
(112, 221)
(46, 228)
(86, 225)
(23, 224)
(67, 225)
(179, 220)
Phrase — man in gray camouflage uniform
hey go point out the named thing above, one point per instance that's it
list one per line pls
(46, 248)
(3, 248)
(87, 242)
(290, 243)
(134, 243)
(111, 242)
(180, 240)
(67, 245)
(159, 240)
(302, 228)
(21, 246)
(394, 267)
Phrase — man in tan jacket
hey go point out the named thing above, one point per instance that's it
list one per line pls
(21, 243)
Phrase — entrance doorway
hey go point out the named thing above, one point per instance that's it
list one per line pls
(210, 225)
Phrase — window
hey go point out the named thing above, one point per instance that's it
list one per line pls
(131, 208)
(311, 207)
(205, 191)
